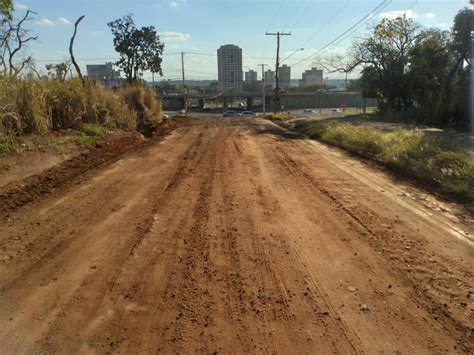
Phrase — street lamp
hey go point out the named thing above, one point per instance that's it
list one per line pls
(299, 49)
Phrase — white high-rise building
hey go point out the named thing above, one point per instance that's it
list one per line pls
(284, 73)
(270, 78)
(251, 75)
(311, 77)
(229, 68)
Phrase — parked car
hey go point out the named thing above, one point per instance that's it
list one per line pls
(336, 110)
(182, 112)
(309, 111)
(249, 114)
(231, 113)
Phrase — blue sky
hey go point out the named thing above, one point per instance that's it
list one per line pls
(201, 26)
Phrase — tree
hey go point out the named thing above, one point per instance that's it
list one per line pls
(354, 85)
(6, 8)
(139, 49)
(429, 61)
(313, 88)
(59, 70)
(384, 55)
(457, 78)
(252, 86)
(13, 40)
(340, 64)
(212, 88)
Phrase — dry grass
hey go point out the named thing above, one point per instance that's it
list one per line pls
(39, 106)
(426, 159)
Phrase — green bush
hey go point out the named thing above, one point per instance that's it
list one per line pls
(7, 145)
(86, 141)
(278, 116)
(93, 130)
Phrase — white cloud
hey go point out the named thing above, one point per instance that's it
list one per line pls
(430, 15)
(49, 23)
(64, 20)
(19, 6)
(45, 22)
(397, 13)
(175, 3)
(174, 36)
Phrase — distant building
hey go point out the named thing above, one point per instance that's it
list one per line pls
(284, 76)
(104, 74)
(311, 77)
(270, 78)
(251, 75)
(229, 68)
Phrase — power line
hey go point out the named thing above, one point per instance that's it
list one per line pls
(327, 23)
(214, 55)
(325, 49)
(90, 59)
(276, 14)
(298, 20)
(352, 28)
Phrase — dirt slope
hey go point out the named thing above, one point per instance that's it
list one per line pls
(235, 236)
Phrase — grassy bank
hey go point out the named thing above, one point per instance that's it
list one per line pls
(278, 116)
(38, 106)
(428, 160)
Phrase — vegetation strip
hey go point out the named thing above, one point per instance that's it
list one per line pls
(425, 159)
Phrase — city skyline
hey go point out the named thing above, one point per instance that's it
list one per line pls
(313, 24)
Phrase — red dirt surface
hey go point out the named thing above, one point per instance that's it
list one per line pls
(232, 236)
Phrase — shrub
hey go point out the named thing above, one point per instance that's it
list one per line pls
(7, 145)
(93, 130)
(278, 116)
(139, 97)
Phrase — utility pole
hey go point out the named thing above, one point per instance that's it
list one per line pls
(263, 89)
(184, 87)
(277, 67)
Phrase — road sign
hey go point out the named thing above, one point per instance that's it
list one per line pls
(188, 102)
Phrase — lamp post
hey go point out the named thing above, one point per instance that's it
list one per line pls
(296, 51)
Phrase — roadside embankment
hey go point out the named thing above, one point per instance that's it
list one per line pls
(431, 162)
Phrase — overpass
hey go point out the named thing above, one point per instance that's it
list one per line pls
(253, 100)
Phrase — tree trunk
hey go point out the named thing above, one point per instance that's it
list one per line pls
(447, 92)
(73, 60)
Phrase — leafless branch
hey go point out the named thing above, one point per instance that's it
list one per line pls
(73, 60)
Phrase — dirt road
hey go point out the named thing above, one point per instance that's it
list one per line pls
(235, 236)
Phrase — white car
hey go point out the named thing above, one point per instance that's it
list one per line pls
(309, 111)
(249, 113)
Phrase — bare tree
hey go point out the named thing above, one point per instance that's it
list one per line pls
(73, 60)
(339, 63)
(13, 40)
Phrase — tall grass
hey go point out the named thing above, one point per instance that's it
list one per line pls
(424, 158)
(51, 104)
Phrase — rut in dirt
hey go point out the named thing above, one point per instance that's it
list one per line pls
(233, 236)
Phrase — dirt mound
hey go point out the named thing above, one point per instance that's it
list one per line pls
(17, 194)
